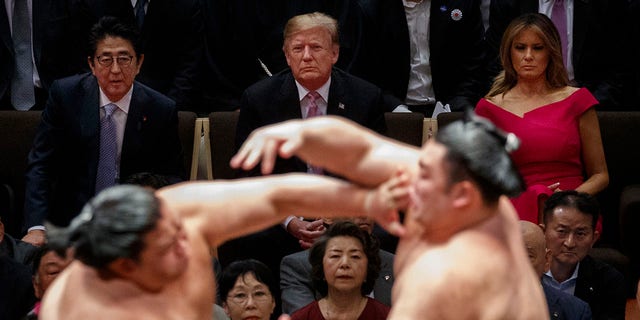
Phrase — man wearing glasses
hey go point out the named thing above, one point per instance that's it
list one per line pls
(97, 128)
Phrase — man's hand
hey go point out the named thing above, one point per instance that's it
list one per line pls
(306, 231)
(383, 203)
(265, 144)
(35, 237)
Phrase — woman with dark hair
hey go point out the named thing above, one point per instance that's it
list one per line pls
(345, 264)
(246, 290)
(561, 145)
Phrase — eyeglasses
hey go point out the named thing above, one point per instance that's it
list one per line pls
(242, 297)
(107, 61)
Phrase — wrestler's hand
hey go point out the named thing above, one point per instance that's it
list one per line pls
(306, 231)
(383, 203)
(35, 237)
(265, 144)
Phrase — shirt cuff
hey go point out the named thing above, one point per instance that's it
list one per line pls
(37, 228)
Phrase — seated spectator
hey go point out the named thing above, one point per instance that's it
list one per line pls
(533, 99)
(47, 264)
(147, 179)
(96, 129)
(345, 264)
(16, 291)
(246, 289)
(561, 305)
(569, 226)
(22, 252)
(295, 276)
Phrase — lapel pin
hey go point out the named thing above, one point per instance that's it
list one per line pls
(456, 14)
(340, 105)
(387, 277)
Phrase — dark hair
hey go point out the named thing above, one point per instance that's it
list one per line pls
(349, 229)
(112, 225)
(556, 73)
(478, 151)
(581, 201)
(41, 251)
(147, 179)
(240, 268)
(109, 26)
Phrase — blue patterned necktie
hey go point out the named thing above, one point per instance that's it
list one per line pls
(139, 11)
(22, 92)
(313, 111)
(559, 18)
(106, 175)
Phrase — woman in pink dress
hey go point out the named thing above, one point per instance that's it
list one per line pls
(561, 147)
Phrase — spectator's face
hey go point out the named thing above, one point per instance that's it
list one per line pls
(51, 264)
(310, 55)
(117, 78)
(249, 299)
(529, 55)
(570, 235)
(344, 264)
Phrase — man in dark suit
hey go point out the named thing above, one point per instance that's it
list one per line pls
(597, 57)
(561, 305)
(569, 225)
(69, 154)
(56, 28)
(171, 38)
(310, 87)
(295, 276)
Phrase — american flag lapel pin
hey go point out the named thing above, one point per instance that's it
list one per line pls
(340, 105)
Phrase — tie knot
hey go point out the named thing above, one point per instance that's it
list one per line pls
(109, 109)
(313, 96)
(558, 3)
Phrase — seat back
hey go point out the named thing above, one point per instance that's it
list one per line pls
(17, 131)
(405, 127)
(186, 128)
(222, 136)
(448, 117)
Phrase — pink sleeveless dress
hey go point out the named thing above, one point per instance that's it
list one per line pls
(550, 149)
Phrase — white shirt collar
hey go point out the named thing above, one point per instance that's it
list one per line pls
(123, 104)
(323, 90)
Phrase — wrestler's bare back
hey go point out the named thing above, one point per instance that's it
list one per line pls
(191, 296)
(482, 272)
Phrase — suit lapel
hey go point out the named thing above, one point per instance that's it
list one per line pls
(289, 99)
(584, 289)
(40, 9)
(89, 119)
(132, 140)
(5, 30)
(335, 105)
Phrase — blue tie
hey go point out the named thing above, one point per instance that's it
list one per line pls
(139, 10)
(22, 92)
(107, 172)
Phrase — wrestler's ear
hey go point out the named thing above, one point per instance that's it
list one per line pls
(464, 193)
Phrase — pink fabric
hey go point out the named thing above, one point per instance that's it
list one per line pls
(551, 149)
(374, 310)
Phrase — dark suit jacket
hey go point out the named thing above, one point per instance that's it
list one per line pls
(16, 291)
(599, 58)
(275, 100)
(172, 41)
(58, 27)
(63, 162)
(457, 50)
(297, 288)
(565, 306)
(603, 288)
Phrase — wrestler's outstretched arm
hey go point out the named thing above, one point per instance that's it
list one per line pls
(336, 144)
(223, 210)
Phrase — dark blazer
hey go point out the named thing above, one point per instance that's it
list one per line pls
(63, 163)
(603, 288)
(16, 292)
(599, 57)
(58, 27)
(172, 41)
(275, 100)
(297, 288)
(563, 306)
